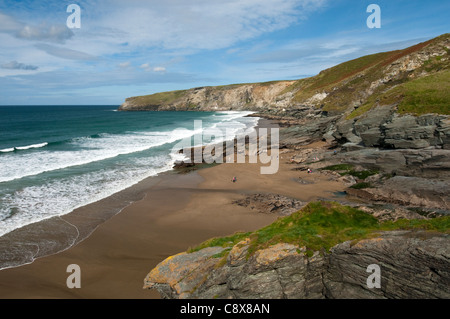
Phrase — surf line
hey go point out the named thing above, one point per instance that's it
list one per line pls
(22, 148)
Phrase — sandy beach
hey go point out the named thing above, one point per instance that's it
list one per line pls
(178, 211)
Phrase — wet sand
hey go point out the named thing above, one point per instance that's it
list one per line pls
(178, 211)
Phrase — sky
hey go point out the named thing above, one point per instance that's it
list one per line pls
(136, 47)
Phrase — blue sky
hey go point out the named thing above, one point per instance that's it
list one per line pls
(136, 47)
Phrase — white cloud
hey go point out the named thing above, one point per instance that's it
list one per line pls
(117, 35)
(198, 24)
(58, 33)
(125, 65)
(52, 33)
(159, 69)
(145, 67)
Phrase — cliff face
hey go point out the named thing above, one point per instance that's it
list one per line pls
(257, 96)
(412, 265)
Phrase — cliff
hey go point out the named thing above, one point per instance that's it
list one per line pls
(413, 261)
(391, 79)
(257, 96)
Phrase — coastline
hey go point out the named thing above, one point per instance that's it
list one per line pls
(56, 234)
(115, 258)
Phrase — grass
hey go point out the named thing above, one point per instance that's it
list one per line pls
(159, 98)
(346, 81)
(334, 75)
(347, 169)
(360, 174)
(361, 185)
(429, 94)
(169, 97)
(318, 226)
(321, 225)
(227, 241)
(347, 69)
(339, 167)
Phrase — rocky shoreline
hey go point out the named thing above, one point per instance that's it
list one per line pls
(414, 188)
(356, 128)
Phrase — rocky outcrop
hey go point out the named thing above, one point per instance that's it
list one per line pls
(409, 191)
(271, 204)
(424, 163)
(413, 264)
(409, 177)
(382, 127)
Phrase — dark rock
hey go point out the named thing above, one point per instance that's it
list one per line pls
(406, 132)
(271, 204)
(409, 191)
(368, 127)
(382, 127)
(425, 163)
(348, 147)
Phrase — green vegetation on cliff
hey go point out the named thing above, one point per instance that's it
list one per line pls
(321, 225)
(159, 98)
(347, 169)
(414, 79)
(328, 78)
(429, 94)
(344, 82)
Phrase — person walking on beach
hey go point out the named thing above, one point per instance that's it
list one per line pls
(234, 179)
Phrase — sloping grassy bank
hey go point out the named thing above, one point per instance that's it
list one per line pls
(321, 225)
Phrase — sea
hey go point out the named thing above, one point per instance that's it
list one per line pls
(55, 159)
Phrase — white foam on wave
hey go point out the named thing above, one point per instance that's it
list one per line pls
(231, 125)
(32, 146)
(22, 148)
(59, 197)
(86, 150)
